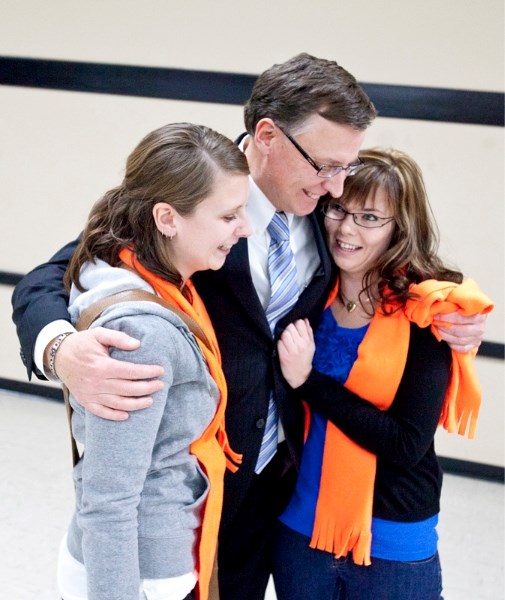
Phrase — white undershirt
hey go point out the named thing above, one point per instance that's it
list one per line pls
(48, 333)
(71, 577)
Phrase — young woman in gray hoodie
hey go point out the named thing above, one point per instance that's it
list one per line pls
(145, 485)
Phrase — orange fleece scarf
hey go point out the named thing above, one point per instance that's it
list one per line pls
(212, 448)
(344, 506)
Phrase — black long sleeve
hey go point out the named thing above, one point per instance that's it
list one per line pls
(408, 479)
(39, 299)
(404, 432)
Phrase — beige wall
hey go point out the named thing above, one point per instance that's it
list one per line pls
(60, 150)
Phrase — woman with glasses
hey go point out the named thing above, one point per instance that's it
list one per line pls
(361, 524)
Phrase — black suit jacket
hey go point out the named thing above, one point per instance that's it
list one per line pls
(249, 352)
(250, 359)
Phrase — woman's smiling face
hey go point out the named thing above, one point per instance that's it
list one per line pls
(356, 249)
(204, 238)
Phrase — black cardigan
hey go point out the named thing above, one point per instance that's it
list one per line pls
(409, 479)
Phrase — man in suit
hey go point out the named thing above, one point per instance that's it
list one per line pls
(305, 122)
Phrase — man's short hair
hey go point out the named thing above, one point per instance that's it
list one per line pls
(291, 92)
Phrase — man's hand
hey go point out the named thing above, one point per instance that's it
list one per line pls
(296, 350)
(465, 332)
(106, 387)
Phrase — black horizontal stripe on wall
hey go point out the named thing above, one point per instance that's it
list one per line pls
(472, 469)
(126, 80)
(10, 278)
(395, 101)
(492, 350)
(32, 389)
(437, 104)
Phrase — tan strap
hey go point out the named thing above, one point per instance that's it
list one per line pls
(92, 312)
(70, 410)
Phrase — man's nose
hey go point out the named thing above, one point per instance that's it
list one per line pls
(335, 185)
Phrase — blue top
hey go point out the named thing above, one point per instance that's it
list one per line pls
(336, 352)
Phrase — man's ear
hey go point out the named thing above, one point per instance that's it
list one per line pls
(165, 217)
(266, 135)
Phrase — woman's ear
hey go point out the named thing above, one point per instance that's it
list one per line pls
(165, 219)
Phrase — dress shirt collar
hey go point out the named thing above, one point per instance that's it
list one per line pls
(259, 208)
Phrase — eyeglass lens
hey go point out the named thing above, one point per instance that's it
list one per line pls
(369, 220)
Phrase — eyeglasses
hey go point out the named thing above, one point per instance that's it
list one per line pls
(326, 171)
(336, 212)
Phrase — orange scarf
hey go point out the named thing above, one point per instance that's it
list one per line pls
(212, 448)
(344, 506)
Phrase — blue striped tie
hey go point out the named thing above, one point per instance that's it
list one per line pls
(284, 291)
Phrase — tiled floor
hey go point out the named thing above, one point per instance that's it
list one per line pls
(36, 499)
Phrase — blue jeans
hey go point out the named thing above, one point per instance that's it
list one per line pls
(302, 573)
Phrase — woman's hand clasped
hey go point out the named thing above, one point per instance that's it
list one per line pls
(296, 350)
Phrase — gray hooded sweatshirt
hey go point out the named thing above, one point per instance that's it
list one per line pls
(139, 491)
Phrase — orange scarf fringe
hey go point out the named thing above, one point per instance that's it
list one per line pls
(212, 448)
(344, 506)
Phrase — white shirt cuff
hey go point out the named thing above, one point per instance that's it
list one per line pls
(48, 334)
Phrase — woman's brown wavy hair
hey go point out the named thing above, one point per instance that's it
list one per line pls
(176, 164)
(412, 254)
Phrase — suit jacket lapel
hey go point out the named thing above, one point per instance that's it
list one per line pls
(238, 276)
(326, 265)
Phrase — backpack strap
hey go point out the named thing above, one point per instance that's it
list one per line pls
(68, 407)
(93, 311)
(91, 314)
